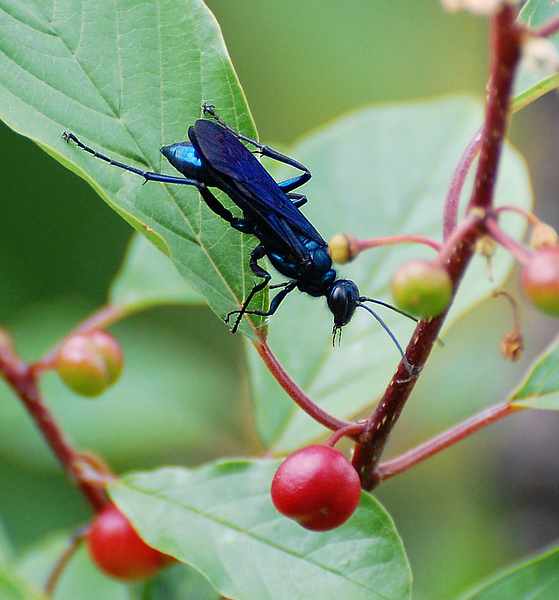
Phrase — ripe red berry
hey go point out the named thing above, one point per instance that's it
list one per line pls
(116, 548)
(540, 279)
(317, 487)
(89, 362)
(422, 288)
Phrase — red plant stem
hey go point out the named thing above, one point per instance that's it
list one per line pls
(521, 254)
(398, 239)
(530, 217)
(446, 439)
(372, 442)
(452, 203)
(506, 43)
(62, 563)
(24, 383)
(471, 222)
(295, 392)
(505, 52)
(353, 430)
(548, 29)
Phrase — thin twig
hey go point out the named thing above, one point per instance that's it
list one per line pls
(23, 382)
(446, 439)
(295, 392)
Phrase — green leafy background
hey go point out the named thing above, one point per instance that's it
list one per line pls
(184, 397)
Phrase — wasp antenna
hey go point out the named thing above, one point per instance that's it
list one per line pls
(408, 366)
(397, 310)
(386, 305)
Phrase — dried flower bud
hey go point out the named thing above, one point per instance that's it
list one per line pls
(486, 246)
(512, 346)
(343, 247)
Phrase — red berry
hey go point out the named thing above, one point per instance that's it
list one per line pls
(540, 279)
(116, 548)
(317, 487)
(422, 288)
(89, 362)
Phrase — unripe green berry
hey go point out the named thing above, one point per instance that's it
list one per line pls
(540, 280)
(110, 350)
(89, 362)
(422, 288)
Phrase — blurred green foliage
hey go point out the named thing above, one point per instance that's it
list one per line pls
(301, 64)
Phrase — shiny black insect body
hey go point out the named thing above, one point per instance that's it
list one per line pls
(215, 157)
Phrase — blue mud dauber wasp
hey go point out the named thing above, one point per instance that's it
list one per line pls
(215, 157)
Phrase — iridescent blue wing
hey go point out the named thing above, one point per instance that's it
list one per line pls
(243, 178)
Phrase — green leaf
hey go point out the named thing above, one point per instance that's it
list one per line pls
(537, 579)
(180, 582)
(82, 580)
(128, 77)
(220, 519)
(380, 171)
(12, 587)
(147, 277)
(533, 81)
(541, 387)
